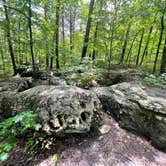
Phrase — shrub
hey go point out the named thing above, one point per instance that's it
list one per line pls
(155, 80)
(15, 127)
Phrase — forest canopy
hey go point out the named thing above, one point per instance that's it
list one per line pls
(49, 34)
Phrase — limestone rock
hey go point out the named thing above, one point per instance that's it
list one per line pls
(60, 109)
(119, 76)
(137, 108)
(16, 84)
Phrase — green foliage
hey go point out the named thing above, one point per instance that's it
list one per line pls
(54, 158)
(15, 127)
(155, 80)
(85, 82)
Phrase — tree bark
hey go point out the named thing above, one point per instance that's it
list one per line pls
(146, 46)
(112, 35)
(88, 27)
(163, 59)
(46, 38)
(159, 43)
(130, 50)
(63, 36)
(71, 31)
(125, 44)
(57, 35)
(2, 57)
(140, 45)
(9, 38)
(94, 42)
(31, 36)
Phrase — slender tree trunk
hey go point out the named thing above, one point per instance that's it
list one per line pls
(19, 45)
(151, 50)
(52, 57)
(71, 31)
(63, 30)
(94, 42)
(112, 35)
(63, 36)
(146, 46)
(159, 43)
(57, 35)
(111, 44)
(88, 27)
(125, 44)
(31, 36)
(2, 57)
(46, 38)
(140, 45)
(163, 59)
(9, 38)
(131, 47)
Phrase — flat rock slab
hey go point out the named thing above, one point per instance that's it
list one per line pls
(118, 147)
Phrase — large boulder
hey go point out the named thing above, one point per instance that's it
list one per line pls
(116, 76)
(137, 108)
(15, 84)
(60, 109)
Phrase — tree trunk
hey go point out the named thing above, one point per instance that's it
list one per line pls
(57, 35)
(63, 36)
(112, 35)
(151, 49)
(159, 43)
(31, 36)
(163, 59)
(125, 44)
(146, 46)
(131, 47)
(9, 38)
(140, 45)
(71, 31)
(88, 27)
(94, 42)
(2, 57)
(46, 38)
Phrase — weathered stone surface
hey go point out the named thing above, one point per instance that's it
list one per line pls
(16, 84)
(60, 109)
(119, 75)
(137, 108)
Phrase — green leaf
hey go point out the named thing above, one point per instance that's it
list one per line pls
(3, 157)
(37, 126)
(54, 158)
(18, 118)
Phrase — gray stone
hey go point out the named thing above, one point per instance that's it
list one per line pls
(16, 84)
(60, 109)
(137, 108)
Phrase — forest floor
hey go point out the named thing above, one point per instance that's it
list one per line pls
(110, 146)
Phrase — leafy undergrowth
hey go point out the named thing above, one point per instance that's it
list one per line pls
(151, 79)
(14, 127)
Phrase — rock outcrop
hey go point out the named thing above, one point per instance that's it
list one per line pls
(60, 109)
(15, 84)
(119, 75)
(137, 108)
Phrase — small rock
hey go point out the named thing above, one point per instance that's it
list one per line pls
(104, 129)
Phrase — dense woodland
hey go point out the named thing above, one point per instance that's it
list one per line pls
(53, 35)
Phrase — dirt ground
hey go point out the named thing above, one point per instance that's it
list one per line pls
(111, 146)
